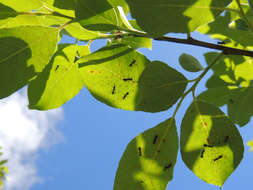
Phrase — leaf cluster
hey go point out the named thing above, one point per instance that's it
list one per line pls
(33, 55)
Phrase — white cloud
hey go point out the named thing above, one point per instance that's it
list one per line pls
(22, 133)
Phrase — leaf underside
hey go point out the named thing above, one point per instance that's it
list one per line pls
(211, 146)
(149, 159)
(123, 78)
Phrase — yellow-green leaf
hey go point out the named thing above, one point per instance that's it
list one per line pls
(149, 159)
(211, 145)
(124, 78)
(59, 82)
(250, 143)
(25, 51)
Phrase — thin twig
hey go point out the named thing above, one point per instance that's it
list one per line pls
(191, 41)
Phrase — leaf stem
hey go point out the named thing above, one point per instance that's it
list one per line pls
(206, 70)
(197, 80)
(64, 25)
(244, 15)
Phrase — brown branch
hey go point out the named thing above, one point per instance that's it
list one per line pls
(191, 41)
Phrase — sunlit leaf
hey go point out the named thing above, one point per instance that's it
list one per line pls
(11, 8)
(211, 145)
(65, 7)
(22, 5)
(219, 29)
(59, 82)
(102, 15)
(25, 51)
(231, 85)
(238, 101)
(149, 159)
(250, 143)
(133, 42)
(77, 31)
(163, 16)
(123, 78)
(239, 24)
(33, 20)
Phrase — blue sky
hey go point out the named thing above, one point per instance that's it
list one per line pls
(91, 138)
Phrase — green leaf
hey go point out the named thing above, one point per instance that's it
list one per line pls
(133, 42)
(25, 51)
(239, 24)
(250, 143)
(6, 12)
(163, 16)
(22, 5)
(250, 3)
(219, 29)
(101, 15)
(73, 29)
(123, 78)
(211, 145)
(65, 7)
(231, 85)
(33, 20)
(9, 9)
(190, 63)
(149, 159)
(59, 82)
(238, 101)
(96, 15)
(232, 70)
(77, 31)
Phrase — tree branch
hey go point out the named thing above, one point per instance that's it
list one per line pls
(191, 41)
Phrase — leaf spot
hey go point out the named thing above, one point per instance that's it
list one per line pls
(133, 62)
(113, 90)
(207, 145)
(167, 166)
(155, 138)
(91, 71)
(202, 153)
(231, 101)
(226, 139)
(139, 150)
(56, 68)
(219, 157)
(127, 79)
(126, 94)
